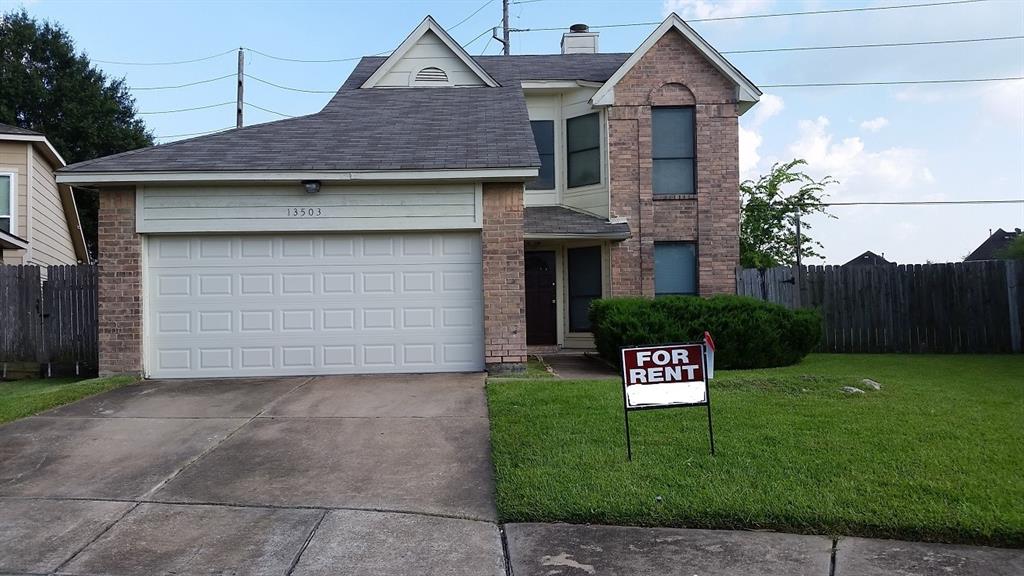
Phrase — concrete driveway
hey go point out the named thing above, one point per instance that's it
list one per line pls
(329, 475)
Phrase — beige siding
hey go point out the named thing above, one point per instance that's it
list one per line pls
(288, 208)
(560, 107)
(14, 158)
(430, 51)
(51, 240)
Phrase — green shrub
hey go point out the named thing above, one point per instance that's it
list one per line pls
(748, 333)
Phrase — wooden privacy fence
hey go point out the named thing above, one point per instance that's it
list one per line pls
(918, 308)
(49, 321)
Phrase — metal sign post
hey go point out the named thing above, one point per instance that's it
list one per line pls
(668, 376)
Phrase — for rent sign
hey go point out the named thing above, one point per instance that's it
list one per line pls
(671, 375)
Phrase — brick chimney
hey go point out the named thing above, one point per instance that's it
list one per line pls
(579, 40)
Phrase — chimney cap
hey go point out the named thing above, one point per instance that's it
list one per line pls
(577, 28)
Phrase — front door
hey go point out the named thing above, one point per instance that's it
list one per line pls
(540, 298)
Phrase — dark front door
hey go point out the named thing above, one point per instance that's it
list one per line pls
(540, 297)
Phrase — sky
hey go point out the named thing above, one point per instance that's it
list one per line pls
(882, 143)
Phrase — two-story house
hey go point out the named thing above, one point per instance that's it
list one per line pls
(443, 212)
(38, 219)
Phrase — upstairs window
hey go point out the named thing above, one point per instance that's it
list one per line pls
(544, 137)
(8, 194)
(583, 150)
(675, 268)
(674, 151)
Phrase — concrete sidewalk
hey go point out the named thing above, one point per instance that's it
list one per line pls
(570, 550)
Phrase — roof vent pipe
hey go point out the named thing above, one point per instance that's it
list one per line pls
(579, 40)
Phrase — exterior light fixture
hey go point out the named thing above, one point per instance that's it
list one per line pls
(312, 186)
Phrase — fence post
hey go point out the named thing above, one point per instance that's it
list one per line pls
(1013, 295)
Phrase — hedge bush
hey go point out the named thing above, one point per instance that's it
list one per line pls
(748, 333)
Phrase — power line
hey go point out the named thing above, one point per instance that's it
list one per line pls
(269, 110)
(478, 36)
(194, 133)
(203, 59)
(475, 12)
(773, 15)
(187, 109)
(920, 203)
(880, 45)
(207, 81)
(269, 83)
(892, 82)
(307, 61)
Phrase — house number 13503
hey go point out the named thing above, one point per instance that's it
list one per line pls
(307, 212)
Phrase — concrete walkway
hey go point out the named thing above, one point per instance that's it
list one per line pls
(358, 475)
(579, 366)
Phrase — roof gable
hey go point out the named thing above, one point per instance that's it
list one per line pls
(429, 57)
(747, 93)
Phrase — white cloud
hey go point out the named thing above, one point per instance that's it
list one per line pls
(1006, 99)
(688, 9)
(768, 107)
(750, 141)
(875, 124)
(863, 174)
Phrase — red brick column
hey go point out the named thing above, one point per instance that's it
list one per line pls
(120, 284)
(504, 282)
(674, 73)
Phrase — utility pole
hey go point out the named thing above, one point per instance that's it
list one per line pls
(504, 27)
(239, 99)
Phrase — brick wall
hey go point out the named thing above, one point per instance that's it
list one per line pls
(504, 285)
(120, 284)
(674, 73)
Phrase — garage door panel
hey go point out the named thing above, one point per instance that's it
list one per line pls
(192, 252)
(371, 303)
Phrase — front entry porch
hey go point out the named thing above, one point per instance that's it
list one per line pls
(567, 266)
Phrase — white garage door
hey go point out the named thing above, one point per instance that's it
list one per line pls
(323, 304)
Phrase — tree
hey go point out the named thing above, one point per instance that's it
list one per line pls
(50, 88)
(768, 219)
(1014, 250)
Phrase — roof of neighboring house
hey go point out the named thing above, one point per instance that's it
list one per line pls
(8, 129)
(868, 258)
(993, 245)
(562, 222)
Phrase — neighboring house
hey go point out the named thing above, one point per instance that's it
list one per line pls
(868, 258)
(993, 246)
(38, 219)
(441, 213)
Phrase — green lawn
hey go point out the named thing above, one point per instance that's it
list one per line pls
(20, 398)
(937, 454)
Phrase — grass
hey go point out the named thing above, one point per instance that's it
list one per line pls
(22, 398)
(936, 455)
(536, 369)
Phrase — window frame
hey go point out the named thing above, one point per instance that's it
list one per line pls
(696, 268)
(572, 328)
(12, 208)
(569, 154)
(554, 157)
(692, 159)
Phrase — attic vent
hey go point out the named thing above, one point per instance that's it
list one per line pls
(431, 75)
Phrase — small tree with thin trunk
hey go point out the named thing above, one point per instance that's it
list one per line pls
(768, 235)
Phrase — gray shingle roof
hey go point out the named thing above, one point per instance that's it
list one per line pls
(8, 129)
(382, 129)
(561, 221)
